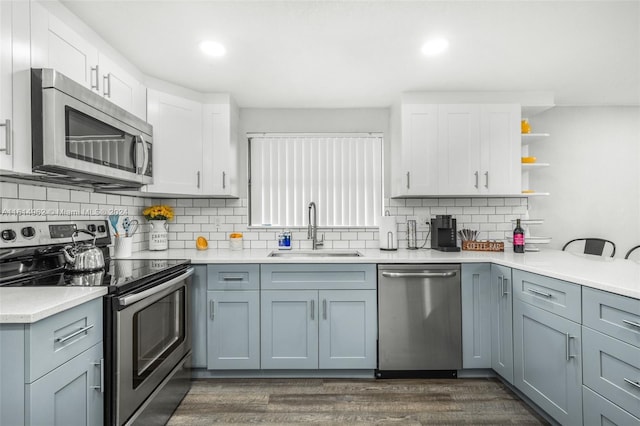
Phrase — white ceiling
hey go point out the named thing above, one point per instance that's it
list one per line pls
(295, 54)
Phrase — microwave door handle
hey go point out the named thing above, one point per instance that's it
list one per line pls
(138, 142)
(145, 153)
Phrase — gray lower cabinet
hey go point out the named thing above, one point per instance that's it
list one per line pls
(72, 394)
(599, 411)
(548, 361)
(51, 370)
(289, 329)
(310, 329)
(476, 315)
(502, 322)
(199, 317)
(347, 329)
(233, 330)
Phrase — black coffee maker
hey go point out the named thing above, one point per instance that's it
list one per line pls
(443, 233)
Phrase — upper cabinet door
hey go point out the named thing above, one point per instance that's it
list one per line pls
(219, 149)
(459, 149)
(55, 45)
(121, 88)
(6, 157)
(500, 139)
(419, 150)
(177, 144)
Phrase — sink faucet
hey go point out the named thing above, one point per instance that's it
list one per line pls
(312, 232)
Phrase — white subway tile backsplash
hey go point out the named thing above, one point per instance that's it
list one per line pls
(216, 218)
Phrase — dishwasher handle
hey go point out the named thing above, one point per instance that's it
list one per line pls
(420, 274)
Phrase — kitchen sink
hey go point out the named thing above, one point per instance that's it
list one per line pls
(315, 253)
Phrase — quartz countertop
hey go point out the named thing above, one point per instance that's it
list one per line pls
(614, 275)
(31, 304)
(619, 276)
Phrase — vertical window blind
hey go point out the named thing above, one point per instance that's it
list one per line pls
(341, 174)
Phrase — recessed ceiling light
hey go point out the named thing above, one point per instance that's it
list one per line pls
(435, 46)
(212, 48)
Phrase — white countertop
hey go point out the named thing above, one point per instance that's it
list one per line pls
(27, 305)
(31, 304)
(614, 275)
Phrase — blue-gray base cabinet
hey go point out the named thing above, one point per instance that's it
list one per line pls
(318, 316)
(502, 322)
(199, 317)
(476, 315)
(611, 350)
(547, 342)
(233, 317)
(52, 373)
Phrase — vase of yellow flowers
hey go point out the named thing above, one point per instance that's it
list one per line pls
(158, 217)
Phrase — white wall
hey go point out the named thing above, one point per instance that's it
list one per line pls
(346, 120)
(594, 178)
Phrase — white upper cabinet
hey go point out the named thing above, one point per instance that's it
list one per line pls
(122, 88)
(460, 149)
(15, 86)
(419, 174)
(177, 144)
(56, 45)
(220, 136)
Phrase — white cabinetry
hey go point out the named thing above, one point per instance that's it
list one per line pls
(459, 149)
(56, 45)
(220, 137)
(194, 151)
(15, 103)
(177, 144)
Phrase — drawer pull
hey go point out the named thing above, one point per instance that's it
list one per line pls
(74, 334)
(212, 307)
(232, 278)
(631, 323)
(540, 293)
(324, 308)
(631, 382)
(313, 308)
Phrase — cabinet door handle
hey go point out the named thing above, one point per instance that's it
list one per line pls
(224, 180)
(74, 334)
(95, 69)
(101, 385)
(486, 180)
(324, 308)
(198, 179)
(106, 83)
(633, 383)
(408, 180)
(212, 306)
(313, 309)
(540, 293)
(506, 286)
(476, 175)
(631, 323)
(568, 349)
(232, 278)
(8, 139)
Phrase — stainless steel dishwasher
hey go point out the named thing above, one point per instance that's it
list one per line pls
(419, 321)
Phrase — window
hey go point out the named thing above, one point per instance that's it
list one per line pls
(342, 174)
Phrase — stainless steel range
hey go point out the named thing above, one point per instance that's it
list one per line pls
(147, 335)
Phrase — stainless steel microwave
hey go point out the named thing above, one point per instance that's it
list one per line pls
(80, 138)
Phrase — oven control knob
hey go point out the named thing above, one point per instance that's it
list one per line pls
(8, 235)
(102, 228)
(28, 232)
(91, 228)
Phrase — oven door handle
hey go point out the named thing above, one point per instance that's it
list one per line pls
(133, 298)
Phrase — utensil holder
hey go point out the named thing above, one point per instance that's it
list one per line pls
(123, 246)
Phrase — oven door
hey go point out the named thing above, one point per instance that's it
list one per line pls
(152, 337)
(78, 137)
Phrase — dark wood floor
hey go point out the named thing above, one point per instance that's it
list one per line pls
(341, 401)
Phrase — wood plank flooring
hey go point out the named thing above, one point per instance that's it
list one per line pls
(343, 401)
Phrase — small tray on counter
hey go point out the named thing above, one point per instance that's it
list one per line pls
(471, 245)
